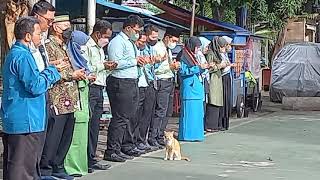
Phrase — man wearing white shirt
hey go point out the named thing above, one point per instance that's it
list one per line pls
(44, 12)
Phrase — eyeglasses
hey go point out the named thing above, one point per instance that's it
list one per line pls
(49, 21)
(136, 31)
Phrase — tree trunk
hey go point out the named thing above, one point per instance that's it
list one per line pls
(241, 16)
(217, 11)
(201, 8)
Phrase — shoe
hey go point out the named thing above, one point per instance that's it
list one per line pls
(161, 142)
(142, 146)
(113, 157)
(156, 144)
(90, 170)
(99, 166)
(76, 175)
(153, 148)
(47, 178)
(62, 176)
(125, 156)
(139, 150)
(133, 152)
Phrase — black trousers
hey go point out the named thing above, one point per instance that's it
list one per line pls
(213, 119)
(123, 96)
(145, 113)
(57, 143)
(226, 110)
(21, 156)
(96, 110)
(163, 109)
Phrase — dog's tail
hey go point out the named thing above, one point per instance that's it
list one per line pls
(186, 159)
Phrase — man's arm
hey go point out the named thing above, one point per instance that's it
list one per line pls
(116, 50)
(94, 65)
(35, 82)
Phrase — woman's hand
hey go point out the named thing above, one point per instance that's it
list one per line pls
(204, 66)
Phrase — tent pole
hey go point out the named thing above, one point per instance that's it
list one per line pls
(91, 17)
(193, 16)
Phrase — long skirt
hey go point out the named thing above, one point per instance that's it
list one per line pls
(226, 110)
(213, 118)
(191, 121)
(76, 161)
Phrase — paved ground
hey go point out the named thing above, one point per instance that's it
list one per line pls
(267, 146)
(270, 145)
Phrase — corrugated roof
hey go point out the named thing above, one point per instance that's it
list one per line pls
(129, 10)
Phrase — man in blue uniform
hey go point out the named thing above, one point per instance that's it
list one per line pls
(23, 103)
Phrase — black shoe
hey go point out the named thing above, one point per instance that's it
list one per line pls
(76, 175)
(125, 156)
(47, 178)
(99, 166)
(62, 176)
(156, 144)
(144, 147)
(90, 170)
(161, 142)
(113, 157)
(153, 148)
(133, 152)
(139, 151)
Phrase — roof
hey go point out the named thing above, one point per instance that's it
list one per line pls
(156, 19)
(182, 16)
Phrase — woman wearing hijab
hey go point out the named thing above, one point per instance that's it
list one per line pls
(76, 162)
(205, 75)
(226, 81)
(215, 105)
(192, 92)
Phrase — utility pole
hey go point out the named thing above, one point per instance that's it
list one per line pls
(193, 16)
(91, 17)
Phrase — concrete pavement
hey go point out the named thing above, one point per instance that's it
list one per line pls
(280, 145)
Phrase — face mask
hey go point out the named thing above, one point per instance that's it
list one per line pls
(66, 34)
(32, 47)
(141, 48)
(102, 42)
(152, 42)
(172, 45)
(134, 36)
(229, 49)
(197, 50)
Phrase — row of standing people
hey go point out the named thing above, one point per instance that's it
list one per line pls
(53, 95)
(205, 75)
(67, 74)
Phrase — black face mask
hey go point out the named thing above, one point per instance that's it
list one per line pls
(66, 34)
(152, 42)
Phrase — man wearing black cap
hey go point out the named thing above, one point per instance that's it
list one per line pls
(64, 101)
(164, 72)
